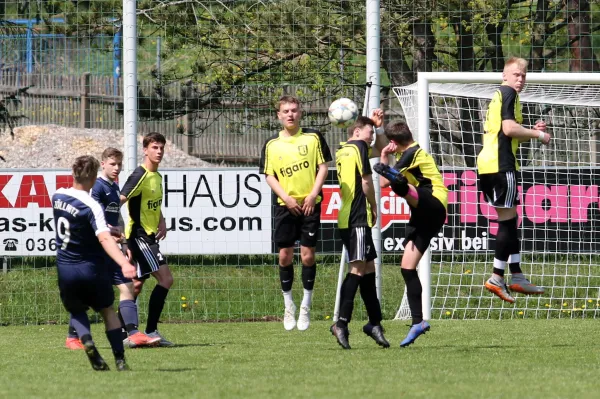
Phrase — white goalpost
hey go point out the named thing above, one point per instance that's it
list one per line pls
(560, 207)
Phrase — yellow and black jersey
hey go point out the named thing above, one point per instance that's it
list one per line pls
(499, 152)
(352, 161)
(294, 161)
(144, 193)
(420, 170)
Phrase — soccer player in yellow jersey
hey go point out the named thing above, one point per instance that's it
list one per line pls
(416, 178)
(295, 164)
(498, 169)
(355, 220)
(143, 193)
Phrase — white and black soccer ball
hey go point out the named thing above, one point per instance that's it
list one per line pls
(342, 112)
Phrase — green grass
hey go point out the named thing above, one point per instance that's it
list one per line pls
(206, 290)
(457, 359)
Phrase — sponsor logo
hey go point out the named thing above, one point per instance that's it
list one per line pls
(154, 205)
(393, 209)
(289, 171)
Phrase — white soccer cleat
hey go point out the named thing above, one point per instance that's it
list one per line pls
(289, 317)
(304, 318)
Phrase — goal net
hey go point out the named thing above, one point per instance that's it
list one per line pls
(559, 210)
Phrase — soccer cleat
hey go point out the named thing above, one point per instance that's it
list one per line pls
(96, 360)
(386, 171)
(139, 339)
(289, 317)
(121, 365)
(376, 332)
(522, 285)
(415, 331)
(303, 318)
(341, 334)
(163, 342)
(73, 344)
(499, 289)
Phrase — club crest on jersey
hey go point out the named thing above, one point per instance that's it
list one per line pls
(303, 149)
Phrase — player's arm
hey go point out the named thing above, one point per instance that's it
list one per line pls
(367, 177)
(380, 140)
(308, 206)
(112, 249)
(96, 219)
(511, 128)
(323, 156)
(133, 185)
(161, 233)
(290, 202)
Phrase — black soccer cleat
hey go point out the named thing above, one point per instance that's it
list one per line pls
(96, 360)
(341, 334)
(388, 172)
(121, 365)
(376, 332)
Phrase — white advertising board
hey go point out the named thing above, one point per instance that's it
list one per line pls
(207, 211)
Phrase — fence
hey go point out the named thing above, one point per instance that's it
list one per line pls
(232, 130)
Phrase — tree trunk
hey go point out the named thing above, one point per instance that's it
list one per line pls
(579, 27)
(423, 45)
(393, 61)
(537, 61)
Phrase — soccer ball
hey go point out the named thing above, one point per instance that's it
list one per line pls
(342, 112)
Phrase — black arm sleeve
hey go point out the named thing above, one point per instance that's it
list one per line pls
(132, 185)
(509, 95)
(363, 150)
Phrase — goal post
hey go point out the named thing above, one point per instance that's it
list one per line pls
(559, 209)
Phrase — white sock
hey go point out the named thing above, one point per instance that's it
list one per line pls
(307, 299)
(287, 298)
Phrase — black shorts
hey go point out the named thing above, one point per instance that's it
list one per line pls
(359, 244)
(85, 286)
(290, 228)
(500, 189)
(146, 253)
(426, 220)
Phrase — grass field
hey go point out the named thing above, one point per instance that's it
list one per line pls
(457, 359)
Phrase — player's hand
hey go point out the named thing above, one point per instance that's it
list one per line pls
(387, 150)
(128, 254)
(129, 270)
(546, 139)
(377, 117)
(308, 206)
(374, 214)
(540, 126)
(292, 205)
(161, 233)
(115, 231)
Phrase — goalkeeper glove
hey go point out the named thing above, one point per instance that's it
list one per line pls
(398, 182)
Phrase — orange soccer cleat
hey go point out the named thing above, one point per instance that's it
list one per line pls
(140, 339)
(73, 344)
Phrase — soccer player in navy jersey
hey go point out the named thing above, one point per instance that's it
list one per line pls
(84, 276)
(106, 192)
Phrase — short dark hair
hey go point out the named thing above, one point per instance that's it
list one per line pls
(359, 123)
(153, 137)
(112, 152)
(85, 169)
(287, 99)
(399, 132)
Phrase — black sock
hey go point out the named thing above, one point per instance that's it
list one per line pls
(368, 292)
(286, 277)
(505, 242)
(499, 272)
(87, 338)
(349, 288)
(155, 307)
(308, 276)
(413, 293)
(116, 343)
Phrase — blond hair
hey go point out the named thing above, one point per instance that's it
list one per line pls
(520, 62)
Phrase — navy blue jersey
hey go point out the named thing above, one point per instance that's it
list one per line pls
(107, 193)
(78, 219)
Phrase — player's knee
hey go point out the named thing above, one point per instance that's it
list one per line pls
(164, 278)
(286, 256)
(137, 287)
(308, 258)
